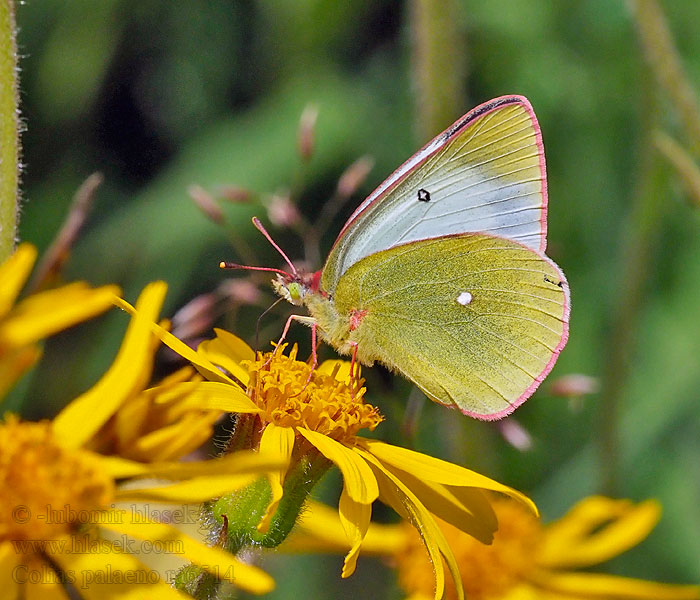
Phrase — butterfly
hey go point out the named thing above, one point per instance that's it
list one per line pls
(440, 274)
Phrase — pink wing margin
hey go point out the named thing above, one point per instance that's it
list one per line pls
(548, 367)
(437, 143)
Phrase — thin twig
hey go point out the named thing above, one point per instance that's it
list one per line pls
(682, 162)
(58, 252)
(351, 179)
(666, 65)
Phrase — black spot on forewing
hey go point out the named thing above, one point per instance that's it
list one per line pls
(423, 195)
(553, 282)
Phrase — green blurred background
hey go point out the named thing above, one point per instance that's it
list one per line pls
(159, 95)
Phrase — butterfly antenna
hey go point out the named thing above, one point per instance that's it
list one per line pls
(261, 229)
(260, 318)
(229, 265)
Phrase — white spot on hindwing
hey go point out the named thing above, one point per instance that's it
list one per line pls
(465, 298)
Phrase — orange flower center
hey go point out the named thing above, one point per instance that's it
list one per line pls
(325, 404)
(488, 572)
(46, 490)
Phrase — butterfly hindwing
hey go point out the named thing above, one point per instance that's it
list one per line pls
(486, 173)
(475, 320)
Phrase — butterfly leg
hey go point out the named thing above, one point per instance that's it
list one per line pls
(301, 319)
(314, 356)
(353, 367)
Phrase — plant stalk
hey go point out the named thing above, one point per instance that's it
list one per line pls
(438, 62)
(9, 130)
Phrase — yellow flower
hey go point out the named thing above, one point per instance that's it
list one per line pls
(59, 520)
(147, 430)
(120, 417)
(527, 560)
(24, 323)
(294, 415)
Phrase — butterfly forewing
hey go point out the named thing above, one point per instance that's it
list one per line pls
(475, 320)
(486, 173)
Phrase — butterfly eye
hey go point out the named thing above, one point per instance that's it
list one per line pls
(295, 291)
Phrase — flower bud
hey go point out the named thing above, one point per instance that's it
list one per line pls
(354, 176)
(281, 211)
(307, 131)
(206, 203)
(574, 385)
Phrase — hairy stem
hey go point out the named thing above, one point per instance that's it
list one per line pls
(9, 128)
(439, 64)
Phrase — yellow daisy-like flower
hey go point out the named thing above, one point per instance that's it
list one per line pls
(527, 560)
(119, 416)
(300, 416)
(147, 430)
(24, 323)
(59, 523)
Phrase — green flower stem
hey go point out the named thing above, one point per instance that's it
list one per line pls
(243, 433)
(246, 508)
(243, 510)
(438, 59)
(9, 127)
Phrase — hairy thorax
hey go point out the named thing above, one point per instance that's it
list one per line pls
(342, 329)
(333, 327)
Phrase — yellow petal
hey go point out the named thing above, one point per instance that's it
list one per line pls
(176, 440)
(41, 315)
(435, 470)
(35, 578)
(468, 509)
(405, 503)
(209, 395)
(195, 490)
(320, 530)
(218, 562)
(279, 442)
(355, 518)
(121, 468)
(8, 574)
(594, 585)
(358, 477)
(203, 366)
(343, 373)
(227, 350)
(13, 273)
(83, 417)
(106, 572)
(14, 364)
(46, 590)
(596, 530)
(525, 591)
(130, 421)
(237, 463)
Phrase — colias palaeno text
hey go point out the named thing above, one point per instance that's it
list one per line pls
(440, 273)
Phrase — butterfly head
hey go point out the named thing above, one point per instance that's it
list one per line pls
(295, 288)
(292, 290)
